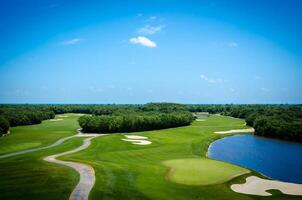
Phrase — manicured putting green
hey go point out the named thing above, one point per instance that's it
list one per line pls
(201, 171)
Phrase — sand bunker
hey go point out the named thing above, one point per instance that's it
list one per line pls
(136, 139)
(54, 120)
(138, 142)
(89, 134)
(200, 120)
(78, 114)
(258, 186)
(62, 116)
(248, 130)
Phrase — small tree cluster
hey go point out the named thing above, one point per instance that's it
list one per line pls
(134, 122)
(4, 126)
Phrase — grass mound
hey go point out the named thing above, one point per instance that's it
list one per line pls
(201, 171)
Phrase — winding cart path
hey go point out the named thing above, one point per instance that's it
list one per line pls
(87, 176)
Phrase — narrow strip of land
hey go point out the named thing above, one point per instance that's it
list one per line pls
(248, 130)
(87, 175)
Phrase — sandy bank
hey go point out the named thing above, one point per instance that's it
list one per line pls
(248, 130)
(138, 140)
(54, 120)
(136, 137)
(258, 186)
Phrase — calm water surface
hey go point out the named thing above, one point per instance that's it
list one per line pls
(279, 160)
(202, 116)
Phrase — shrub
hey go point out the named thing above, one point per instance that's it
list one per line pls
(4, 125)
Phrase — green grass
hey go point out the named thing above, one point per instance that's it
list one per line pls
(28, 176)
(33, 136)
(127, 171)
(198, 171)
(123, 170)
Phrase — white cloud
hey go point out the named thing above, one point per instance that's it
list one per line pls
(230, 44)
(265, 89)
(95, 89)
(150, 30)
(258, 77)
(233, 44)
(143, 41)
(152, 18)
(132, 62)
(71, 41)
(210, 80)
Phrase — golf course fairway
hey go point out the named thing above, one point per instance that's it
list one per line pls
(174, 166)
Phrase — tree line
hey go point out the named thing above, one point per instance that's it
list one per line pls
(27, 114)
(141, 121)
(281, 121)
(278, 121)
(16, 115)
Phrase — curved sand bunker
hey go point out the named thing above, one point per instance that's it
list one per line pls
(62, 116)
(200, 120)
(248, 130)
(136, 139)
(54, 120)
(258, 186)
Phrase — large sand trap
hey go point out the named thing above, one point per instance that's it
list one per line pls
(200, 120)
(258, 186)
(136, 139)
(138, 142)
(54, 120)
(78, 114)
(248, 130)
(62, 116)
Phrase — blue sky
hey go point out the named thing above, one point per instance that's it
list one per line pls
(63, 51)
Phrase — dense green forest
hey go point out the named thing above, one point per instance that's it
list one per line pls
(140, 121)
(141, 116)
(129, 118)
(16, 115)
(4, 125)
(279, 121)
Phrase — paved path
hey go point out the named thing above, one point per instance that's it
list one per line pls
(87, 177)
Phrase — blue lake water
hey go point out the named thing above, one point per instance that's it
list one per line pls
(279, 160)
(202, 116)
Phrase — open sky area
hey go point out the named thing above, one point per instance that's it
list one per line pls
(138, 51)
